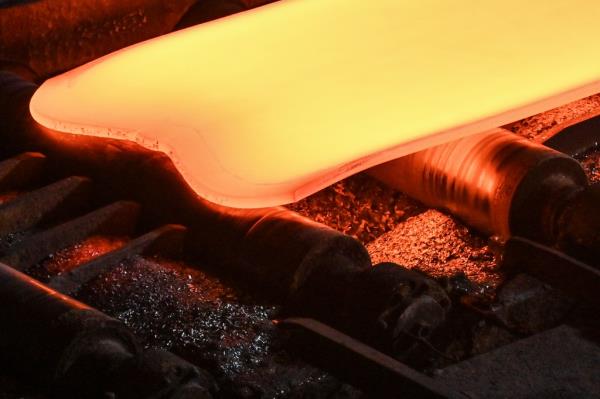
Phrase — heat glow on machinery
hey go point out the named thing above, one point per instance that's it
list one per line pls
(270, 105)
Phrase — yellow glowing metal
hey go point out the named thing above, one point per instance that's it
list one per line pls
(269, 106)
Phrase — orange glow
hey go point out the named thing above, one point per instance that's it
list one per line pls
(271, 105)
(76, 255)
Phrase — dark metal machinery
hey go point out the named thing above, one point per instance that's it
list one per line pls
(78, 351)
(293, 258)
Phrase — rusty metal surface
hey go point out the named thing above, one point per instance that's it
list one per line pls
(41, 38)
(53, 36)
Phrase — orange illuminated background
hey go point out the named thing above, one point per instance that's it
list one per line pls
(271, 105)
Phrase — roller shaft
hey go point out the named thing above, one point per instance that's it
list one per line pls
(496, 182)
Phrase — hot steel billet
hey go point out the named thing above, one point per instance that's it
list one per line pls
(274, 248)
(77, 351)
(501, 184)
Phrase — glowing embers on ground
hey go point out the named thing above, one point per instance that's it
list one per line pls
(271, 105)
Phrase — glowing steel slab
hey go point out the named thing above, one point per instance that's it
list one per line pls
(271, 105)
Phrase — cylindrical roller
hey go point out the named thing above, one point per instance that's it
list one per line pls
(78, 351)
(497, 182)
(309, 263)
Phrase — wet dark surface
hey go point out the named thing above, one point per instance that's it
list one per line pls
(194, 315)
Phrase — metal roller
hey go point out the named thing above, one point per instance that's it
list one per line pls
(505, 185)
